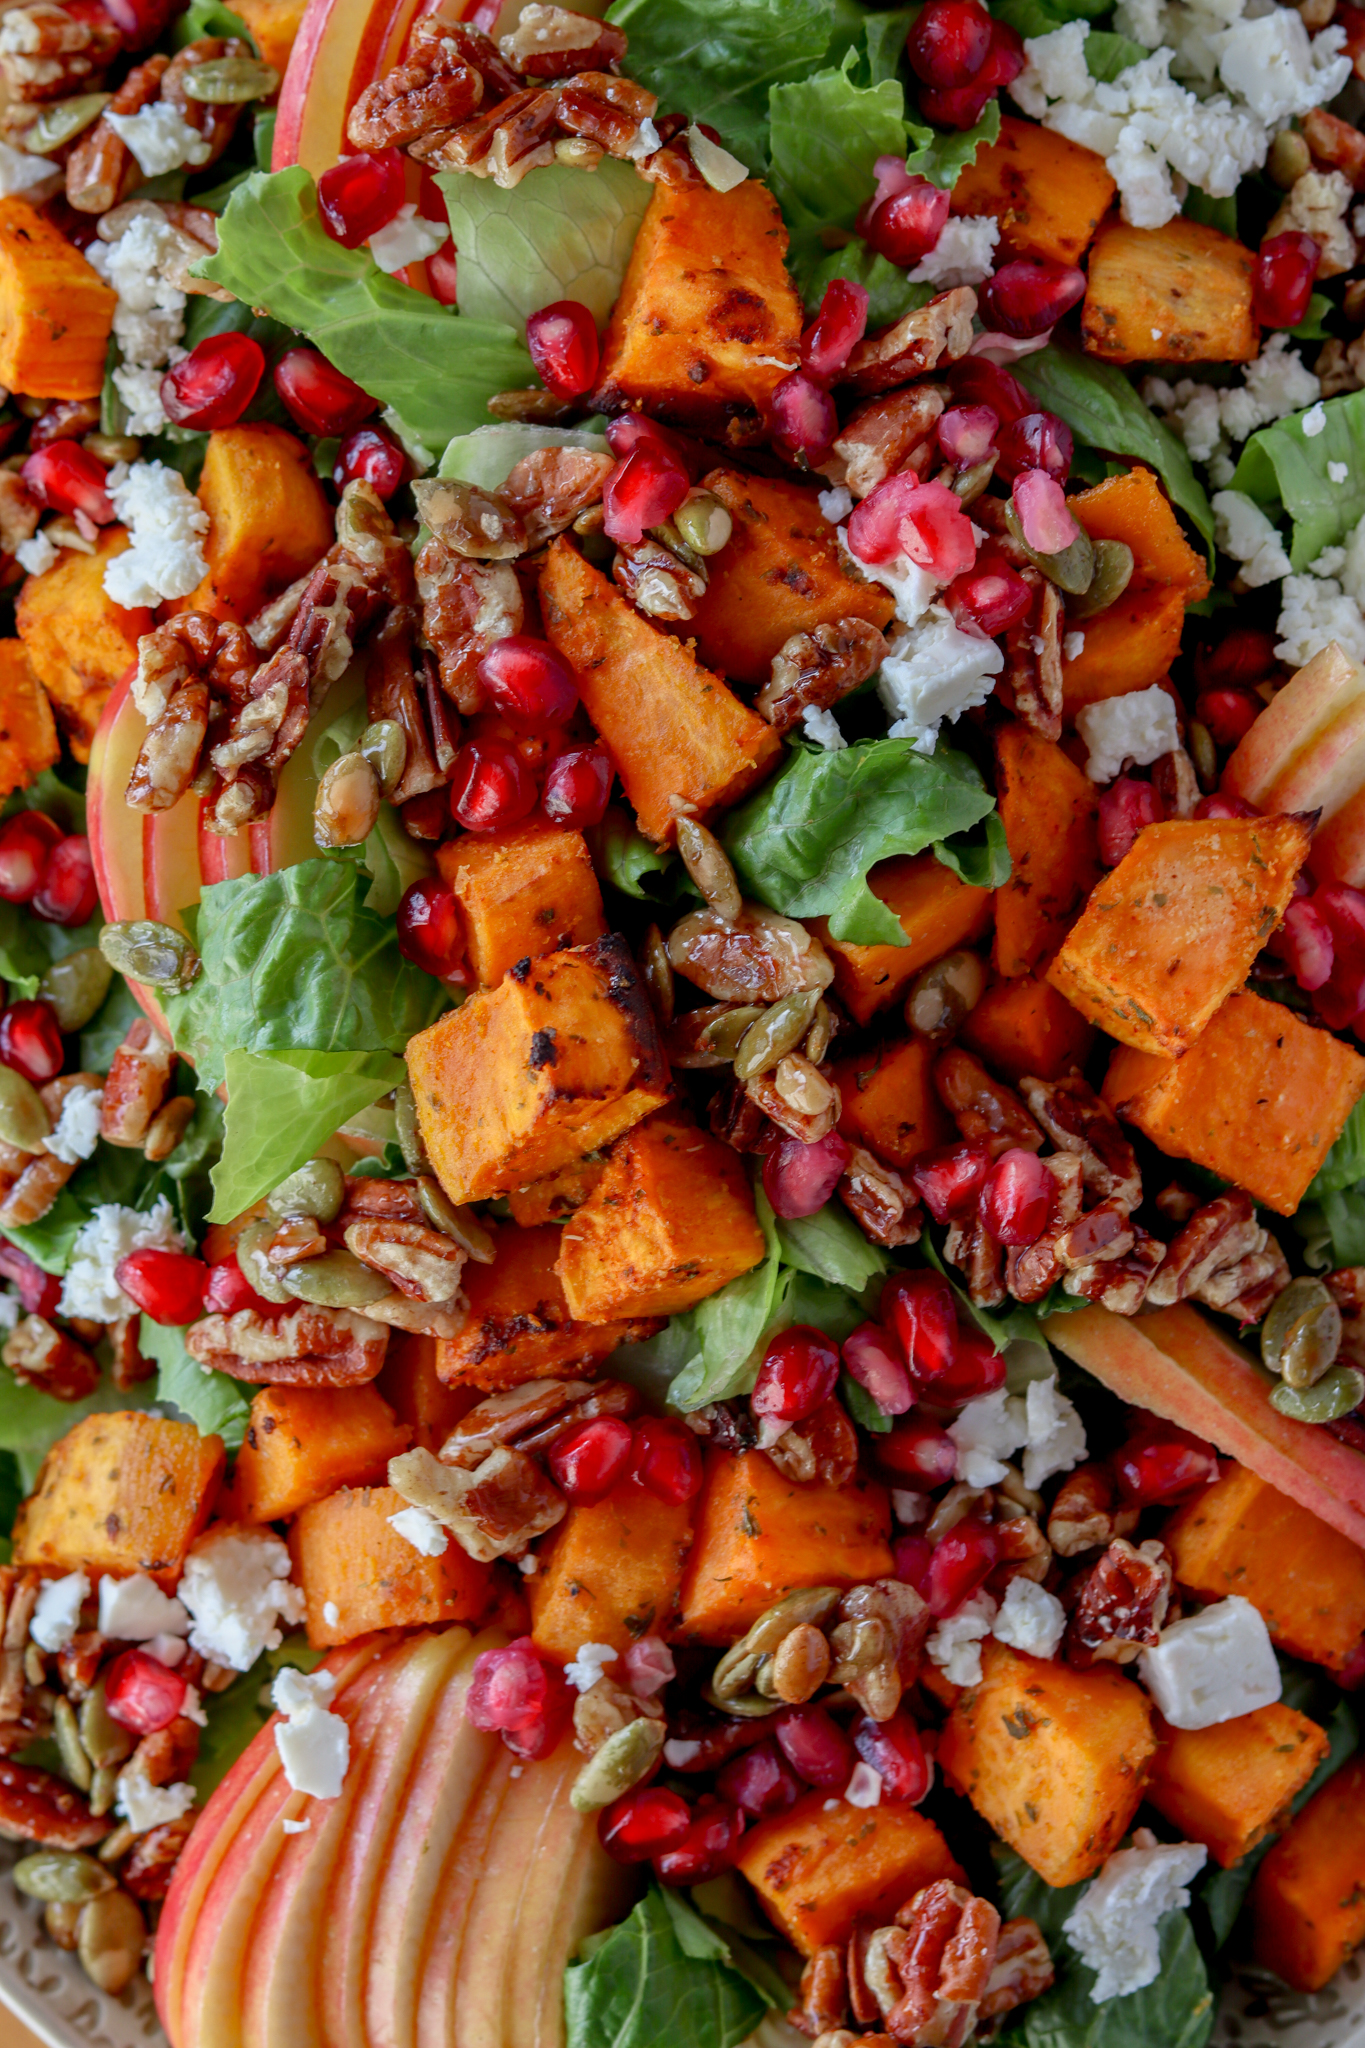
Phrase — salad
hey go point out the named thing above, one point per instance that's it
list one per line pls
(682, 1109)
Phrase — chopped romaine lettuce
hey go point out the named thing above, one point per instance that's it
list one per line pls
(281, 1107)
(663, 1973)
(562, 233)
(1282, 466)
(940, 155)
(215, 1404)
(826, 135)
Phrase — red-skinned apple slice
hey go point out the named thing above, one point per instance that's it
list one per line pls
(462, 1873)
(1338, 850)
(1306, 751)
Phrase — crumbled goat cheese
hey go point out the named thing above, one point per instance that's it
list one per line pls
(78, 1127)
(823, 728)
(955, 1645)
(136, 1610)
(140, 391)
(1317, 204)
(1271, 64)
(90, 1289)
(35, 557)
(1243, 531)
(1209, 421)
(169, 1650)
(331, 1613)
(57, 1614)
(1316, 609)
(34, 178)
(912, 587)
(1314, 421)
(295, 1827)
(1056, 1434)
(11, 1308)
(864, 1788)
(236, 1587)
(1030, 1619)
(935, 671)
(1042, 1422)
(1114, 1928)
(167, 524)
(1338, 471)
(644, 142)
(585, 1668)
(191, 1709)
(721, 171)
(963, 254)
(835, 504)
(144, 1805)
(149, 316)
(160, 138)
(1139, 727)
(421, 1530)
(1212, 1666)
(314, 1745)
(407, 238)
(909, 1508)
(294, 1691)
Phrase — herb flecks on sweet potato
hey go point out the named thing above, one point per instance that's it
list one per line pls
(269, 519)
(824, 1865)
(1048, 194)
(1050, 813)
(358, 1574)
(1177, 294)
(1308, 1897)
(56, 311)
(610, 1573)
(28, 734)
(302, 1443)
(888, 1102)
(554, 1198)
(121, 1493)
(937, 913)
(519, 1326)
(524, 892)
(79, 641)
(1228, 1786)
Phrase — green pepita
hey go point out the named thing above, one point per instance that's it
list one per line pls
(75, 1762)
(57, 125)
(317, 1188)
(75, 986)
(110, 1938)
(230, 81)
(724, 1035)
(156, 954)
(105, 1741)
(384, 745)
(24, 1122)
(1337, 1393)
(779, 1030)
(623, 1760)
(256, 1266)
(61, 1876)
(968, 484)
(456, 1222)
(1301, 1335)
(1113, 573)
(409, 1131)
(338, 1279)
(1072, 569)
(703, 523)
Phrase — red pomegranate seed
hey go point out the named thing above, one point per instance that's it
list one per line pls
(1038, 441)
(760, 1782)
(562, 339)
(709, 1846)
(373, 455)
(26, 843)
(815, 1746)
(949, 42)
(895, 1752)
(978, 1369)
(1127, 807)
(960, 1565)
(920, 1451)
(967, 433)
(577, 786)
(1282, 282)
(528, 683)
(800, 1371)
(586, 1462)
(1244, 655)
(962, 106)
(1220, 806)
(68, 893)
(1017, 1199)
(912, 1555)
(906, 214)
(1304, 943)
(1344, 910)
(167, 1286)
(508, 1688)
(361, 194)
(1161, 1466)
(949, 1180)
(804, 421)
(799, 1179)
(1047, 524)
(142, 21)
(39, 1292)
(990, 595)
(317, 396)
(1340, 1002)
(836, 330)
(702, 1743)
(427, 816)
(142, 1693)
(875, 1362)
(491, 786)
(643, 1823)
(544, 1732)
(67, 478)
(642, 491)
(667, 1460)
(215, 383)
(631, 430)
(922, 520)
(922, 1310)
(430, 929)
(1229, 714)
(31, 1041)
(227, 1289)
(974, 381)
(1025, 299)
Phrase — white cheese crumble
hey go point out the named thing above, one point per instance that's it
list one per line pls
(1139, 727)
(1209, 421)
(421, 1530)
(1030, 1619)
(295, 1827)
(144, 1805)
(11, 1308)
(955, 1645)
(588, 1663)
(161, 139)
(169, 1650)
(1073, 646)
(1338, 471)
(864, 1788)
(935, 671)
(314, 1745)
(78, 1127)
(113, 1231)
(1114, 1927)
(57, 1612)
(167, 524)
(912, 587)
(1243, 531)
(1317, 204)
(835, 504)
(136, 1610)
(963, 254)
(909, 1508)
(34, 178)
(1213, 1666)
(331, 1613)
(1042, 1422)
(823, 728)
(1325, 605)
(1314, 421)
(644, 142)
(36, 556)
(407, 238)
(236, 1587)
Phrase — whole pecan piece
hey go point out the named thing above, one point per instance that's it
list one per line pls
(552, 42)
(886, 435)
(812, 671)
(981, 1106)
(549, 487)
(970, 1247)
(466, 607)
(147, 1871)
(929, 1972)
(168, 758)
(502, 142)
(1121, 1604)
(494, 1510)
(37, 1807)
(823, 1993)
(1085, 1514)
(138, 1082)
(101, 169)
(609, 111)
(40, 1355)
(1023, 1969)
(1033, 658)
(760, 958)
(1220, 1234)
(1118, 1284)
(940, 332)
(192, 648)
(1077, 1121)
(657, 582)
(301, 1347)
(431, 92)
(417, 1260)
(885, 1206)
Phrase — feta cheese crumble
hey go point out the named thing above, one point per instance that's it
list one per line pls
(963, 254)
(34, 178)
(823, 728)
(1314, 421)
(331, 1613)
(161, 139)
(167, 524)
(1338, 471)
(935, 671)
(1042, 1422)
(1030, 1619)
(36, 556)
(1213, 1666)
(139, 264)
(955, 1645)
(1324, 605)
(426, 1535)
(113, 1231)
(57, 1611)
(295, 1827)
(1243, 531)
(1138, 727)
(78, 1127)
(314, 1745)
(835, 504)
(1209, 421)
(1114, 1928)
(137, 1611)
(144, 1805)
(407, 238)
(588, 1663)
(236, 1587)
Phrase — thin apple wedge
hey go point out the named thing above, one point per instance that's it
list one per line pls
(1306, 751)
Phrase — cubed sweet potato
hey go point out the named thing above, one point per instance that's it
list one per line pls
(79, 641)
(56, 311)
(937, 912)
(759, 1535)
(1050, 813)
(1179, 293)
(1128, 647)
(121, 1493)
(824, 1865)
(527, 1076)
(671, 727)
(610, 1573)
(415, 1391)
(1171, 932)
(519, 1326)
(1049, 195)
(524, 892)
(1228, 1786)
(708, 322)
(28, 734)
(1308, 1897)
(274, 24)
(888, 1101)
(269, 519)
(1053, 1758)
(671, 1221)
(778, 574)
(1308, 1580)
(359, 1574)
(1024, 1027)
(1259, 1099)
(1133, 508)
(302, 1443)
(555, 1198)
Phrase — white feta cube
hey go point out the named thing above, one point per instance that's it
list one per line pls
(1212, 1667)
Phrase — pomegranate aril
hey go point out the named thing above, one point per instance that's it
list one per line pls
(1038, 441)
(643, 1823)
(922, 520)
(490, 786)
(1344, 910)
(961, 1563)
(760, 1782)
(949, 43)
(143, 1694)
(967, 433)
(577, 786)
(896, 1754)
(799, 1179)
(1244, 655)
(1229, 713)
(31, 1041)
(949, 1179)
(562, 339)
(39, 1292)
(990, 595)
(427, 816)
(142, 21)
(907, 225)
(642, 491)
(978, 1369)
(227, 1289)
(667, 1460)
(800, 1371)
(836, 330)
(1047, 524)
(26, 843)
(430, 929)
(375, 457)
(586, 1463)
(361, 194)
(815, 1746)
(632, 430)
(1304, 943)
(709, 1846)
(919, 1451)
(922, 1310)
(975, 381)
(1026, 299)
(699, 1742)
(1161, 1466)
(873, 1359)
(1282, 281)
(1220, 806)
(1127, 807)
(508, 1688)
(1005, 59)
(1017, 1199)
(68, 894)
(955, 106)
(215, 383)
(1342, 998)
(911, 1556)
(65, 477)
(804, 421)
(167, 1286)
(317, 396)
(544, 1732)
(528, 683)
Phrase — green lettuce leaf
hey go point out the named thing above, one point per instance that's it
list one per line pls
(281, 1107)
(804, 844)
(941, 155)
(31, 1421)
(826, 135)
(981, 857)
(215, 1404)
(830, 1247)
(627, 861)
(883, 38)
(1345, 1163)
(1344, 1216)
(562, 233)
(890, 294)
(1106, 55)
(488, 456)
(435, 368)
(658, 1977)
(209, 18)
(29, 945)
(1282, 467)
(728, 1327)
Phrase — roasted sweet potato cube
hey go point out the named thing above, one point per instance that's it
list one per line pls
(1259, 1099)
(524, 892)
(1024, 1027)
(1228, 1786)
(121, 1493)
(888, 1102)
(1049, 195)
(1308, 1897)
(302, 1443)
(1179, 294)
(778, 574)
(1307, 1579)
(1054, 1759)
(519, 1325)
(936, 911)
(28, 735)
(671, 1221)
(1171, 932)
(274, 24)
(419, 1397)
(610, 1573)
(708, 322)
(824, 1865)
(555, 1198)
(1128, 647)
(56, 311)
(671, 727)
(1050, 813)
(1133, 508)
(525, 1077)
(79, 641)
(759, 1535)
(269, 519)
(359, 1574)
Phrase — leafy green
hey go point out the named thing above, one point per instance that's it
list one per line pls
(980, 857)
(488, 456)
(562, 233)
(830, 1246)
(435, 368)
(1201, 206)
(29, 945)
(861, 1406)
(1282, 465)
(890, 294)
(358, 993)
(883, 37)
(106, 1030)
(237, 1715)
(826, 135)
(60, 795)
(1345, 1163)
(1102, 408)
(728, 1327)
(804, 1299)
(281, 1107)
(941, 155)
(661, 1975)
(1313, 326)
(1106, 55)
(31, 1421)
(804, 844)
(625, 859)
(215, 1404)
(209, 18)
(1344, 1216)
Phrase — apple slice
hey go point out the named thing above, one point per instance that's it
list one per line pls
(1174, 1362)
(342, 47)
(1306, 750)
(1338, 850)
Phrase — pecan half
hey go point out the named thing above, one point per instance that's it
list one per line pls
(552, 42)
(1023, 1969)
(37, 1807)
(550, 487)
(970, 1247)
(418, 1260)
(823, 1447)
(1223, 1258)
(760, 958)
(301, 1347)
(823, 1994)
(101, 169)
(430, 93)
(466, 607)
(886, 435)
(981, 1106)
(940, 332)
(1118, 1284)
(607, 110)
(1077, 1121)
(168, 758)
(1121, 1604)
(147, 1871)
(394, 692)
(657, 582)
(502, 141)
(138, 1083)
(1085, 1514)
(929, 1972)
(886, 1207)
(192, 648)
(470, 521)
(1033, 658)
(493, 1511)
(807, 1125)
(814, 670)
(40, 1355)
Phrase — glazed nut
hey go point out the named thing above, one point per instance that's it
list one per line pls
(622, 1761)
(867, 1665)
(167, 1128)
(800, 1665)
(420, 1262)
(110, 1938)
(346, 807)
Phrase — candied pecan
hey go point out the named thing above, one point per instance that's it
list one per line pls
(657, 582)
(824, 1447)
(930, 1970)
(298, 1238)
(433, 91)
(21, 1597)
(37, 1807)
(129, 1365)
(551, 42)
(101, 169)
(1176, 785)
(1118, 1284)
(981, 1106)
(1077, 1121)
(608, 1397)
(397, 1199)
(268, 629)
(812, 671)
(609, 111)
(464, 44)
(138, 1083)
(393, 692)
(66, 419)
(78, 1665)
(1212, 1245)
(192, 648)
(735, 1119)
(550, 487)
(40, 1355)
(1104, 1232)
(807, 1124)
(213, 120)
(19, 512)
(823, 1993)
(47, 53)
(419, 1261)
(301, 1347)
(1033, 658)
(1084, 1513)
(1121, 1604)
(470, 521)
(903, 1613)
(34, 1189)
(887, 435)
(885, 1206)
(502, 141)
(1022, 1971)
(168, 759)
(970, 1247)
(168, 1755)
(493, 1510)
(147, 1871)
(439, 1318)
(940, 332)
(1175, 1203)
(466, 607)
(760, 958)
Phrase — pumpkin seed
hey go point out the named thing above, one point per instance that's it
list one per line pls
(103, 1791)
(61, 1876)
(1288, 160)
(317, 1188)
(230, 81)
(112, 448)
(779, 1030)
(820, 1034)
(338, 1279)
(968, 484)
(346, 807)
(75, 986)
(24, 1123)
(724, 1035)
(110, 1938)
(385, 746)
(61, 1922)
(105, 1741)
(623, 1760)
(457, 1222)
(1301, 1335)
(1113, 574)
(256, 1266)
(1203, 754)
(1072, 569)
(409, 1131)
(57, 125)
(709, 866)
(703, 523)
(75, 1761)
(656, 971)
(1327, 1400)
(942, 995)
(115, 1847)
(156, 954)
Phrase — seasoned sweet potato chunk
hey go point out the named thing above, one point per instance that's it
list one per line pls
(1179, 294)
(888, 1102)
(555, 1198)
(519, 1325)
(1229, 1785)
(1128, 647)
(937, 912)
(1050, 814)
(79, 641)
(610, 1573)
(302, 1443)
(524, 892)
(1024, 1027)
(1133, 508)
(359, 1574)
(1308, 1897)
(824, 1865)
(56, 311)
(28, 736)
(269, 519)
(410, 1384)
(1049, 195)
(121, 1493)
